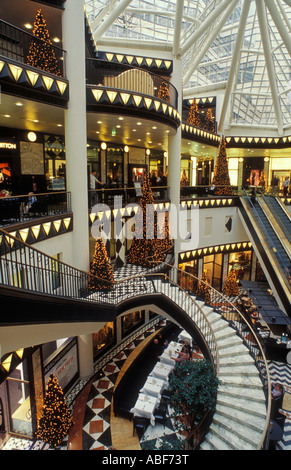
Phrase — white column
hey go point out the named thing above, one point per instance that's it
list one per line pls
(76, 129)
(174, 149)
(85, 354)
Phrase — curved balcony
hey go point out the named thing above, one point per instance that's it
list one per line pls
(130, 90)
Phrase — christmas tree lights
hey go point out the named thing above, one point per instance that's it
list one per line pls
(193, 117)
(221, 178)
(230, 287)
(41, 53)
(210, 124)
(56, 419)
(101, 271)
(163, 92)
(184, 180)
(149, 242)
(203, 290)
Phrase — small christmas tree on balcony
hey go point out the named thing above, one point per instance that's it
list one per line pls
(56, 419)
(146, 245)
(230, 287)
(163, 92)
(41, 53)
(221, 178)
(193, 117)
(101, 271)
(203, 289)
(210, 124)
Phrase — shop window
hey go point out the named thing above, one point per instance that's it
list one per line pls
(55, 162)
(132, 321)
(114, 167)
(19, 401)
(241, 262)
(184, 280)
(213, 267)
(93, 158)
(103, 339)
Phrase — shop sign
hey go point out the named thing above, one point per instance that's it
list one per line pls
(7, 145)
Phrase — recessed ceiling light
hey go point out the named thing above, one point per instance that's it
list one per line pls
(99, 122)
(154, 127)
(148, 133)
(133, 130)
(139, 140)
(19, 104)
(60, 125)
(118, 127)
(28, 26)
(35, 120)
(97, 132)
(139, 123)
(56, 40)
(7, 115)
(120, 118)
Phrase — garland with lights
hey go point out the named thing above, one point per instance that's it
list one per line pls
(41, 52)
(163, 92)
(193, 117)
(221, 178)
(203, 290)
(210, 124)
(56, 419)
(148, 243)
(230, 287)
(102, 277)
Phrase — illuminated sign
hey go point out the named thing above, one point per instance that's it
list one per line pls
(7, 145)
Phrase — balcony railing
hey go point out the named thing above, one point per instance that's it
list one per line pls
(15, 209)
(201, 119)
(124, 77)
(15, 44)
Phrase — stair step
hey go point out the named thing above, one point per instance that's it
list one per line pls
(232, 440)
(231, 351)
(236, 391)
(241, 417)
(240, 436)
(228, 342)
(254, 407)
(241, 359)
(241, 380)
(238, 370)
(214, 442)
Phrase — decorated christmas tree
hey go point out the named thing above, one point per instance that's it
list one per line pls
(193, 117)
(210, 124)
(41, 53)
(163, 92)
(221, 178)
(56, 419)
(101, 271)
(230, 287)
(203, 289)
(146, 245)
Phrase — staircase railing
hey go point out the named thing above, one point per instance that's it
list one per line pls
(24, 267)
(222, 304)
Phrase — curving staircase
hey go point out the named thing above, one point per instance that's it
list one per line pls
(240, 416)
(240, 421)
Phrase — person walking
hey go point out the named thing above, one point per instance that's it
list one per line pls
(94, 183)
(286, 183)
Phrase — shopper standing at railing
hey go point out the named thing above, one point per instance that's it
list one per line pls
(286, 183)
(93, 183)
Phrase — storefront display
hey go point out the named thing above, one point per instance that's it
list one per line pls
(241, 261)
(132, 321)
(104, 338)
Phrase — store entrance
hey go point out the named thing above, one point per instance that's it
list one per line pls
(18, 397)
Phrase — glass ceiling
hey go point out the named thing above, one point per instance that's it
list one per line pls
(238, 48)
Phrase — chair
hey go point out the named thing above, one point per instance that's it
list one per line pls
(160, 415)
(139, 424)
(166, 395)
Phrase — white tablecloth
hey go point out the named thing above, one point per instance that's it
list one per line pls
(184, 336)
(170, 353)
(145, 406)
(162, 371)
(153, 386)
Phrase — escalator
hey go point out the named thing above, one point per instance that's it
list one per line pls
(278, 210)
(269, 233)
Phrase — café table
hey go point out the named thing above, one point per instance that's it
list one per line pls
(162, 371)
(145, 406)
(184, 336)
(153, 386)
(170, 353)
